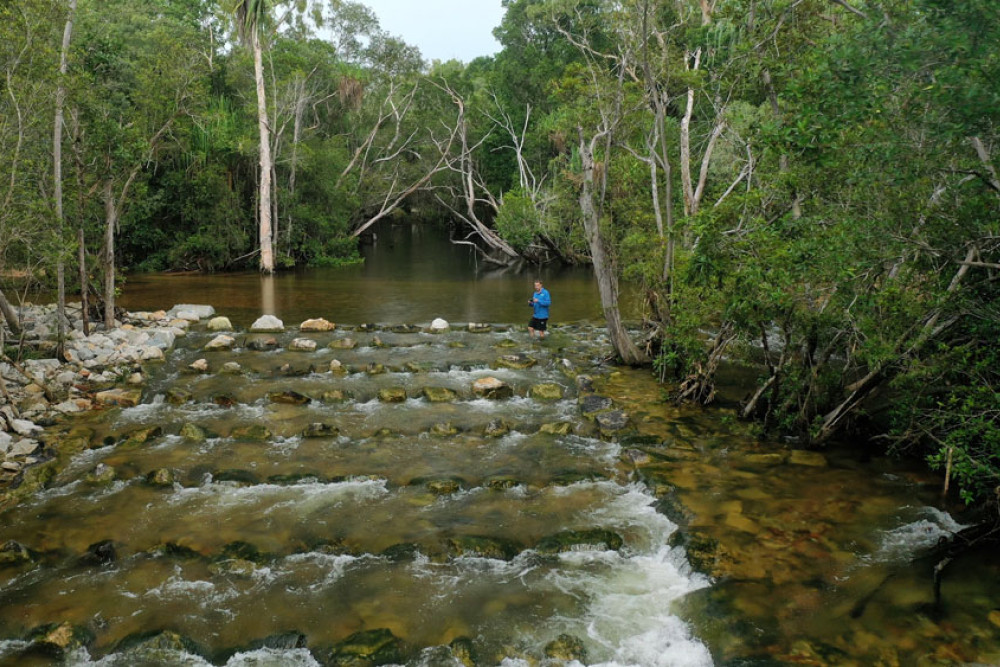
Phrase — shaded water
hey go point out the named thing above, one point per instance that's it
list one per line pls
(436, 523)
(410, 274)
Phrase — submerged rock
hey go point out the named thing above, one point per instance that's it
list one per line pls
(443, 429)
(343, 344)
(479, 327)
(804, 457)
(256, 432)
(567, 648)
(482, 547)
(574, 540)
(14, 553)
(320, 430)
(236, 476)
(515, 361)
(288, 398)
(101, 474)
(546, 391)
(439, 394)
(369, 647)
(160, 647)
(592, 404)
(58, 639)
(392, 395)
(496, 428)
(262, 343)
(557, 428)
(161, 477)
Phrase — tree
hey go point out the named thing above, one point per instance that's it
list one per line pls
(251, 16)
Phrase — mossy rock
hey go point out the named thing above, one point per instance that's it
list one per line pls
(174, 550)
(141, 437)
(479, 328)
(507, 343)
(392, 395)
(803, 457)
(443, 429)
(288, 398)
(613, 422)
(14, 553)
(225, 400)
(406, 329)
(515, 362)
(193, 433)
(162, 477)
(58, 639)
(766, 459)
(566, 648)
(496, 428)
(501, 483)
(457, 345)
(547, 391)
(405, 551)
(592, 404)
(158, 647)
(101, 474)
(492, 388)
(444, 487)
(569, 477)
(240, 477)
(702, 551)
(572, 540)
(262, 343)
(367, 648)
(482, 546)
(239, 568)
(255, 432)
(320, 430)
(557, 428)
(463, 650)
(342, 344)
(439, 394)
(292, 479)
(335, 396)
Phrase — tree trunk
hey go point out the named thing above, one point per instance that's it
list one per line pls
(9, 314)
(264, 197)
(111, 221)
(57, 177)
(84, 292)
(607, 280)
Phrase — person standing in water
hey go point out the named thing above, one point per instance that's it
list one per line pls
(539, 302)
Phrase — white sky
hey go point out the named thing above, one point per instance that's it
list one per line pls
(442, 29)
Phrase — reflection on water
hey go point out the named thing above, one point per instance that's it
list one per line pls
(410, 274)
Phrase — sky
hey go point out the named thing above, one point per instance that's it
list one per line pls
(442, 29)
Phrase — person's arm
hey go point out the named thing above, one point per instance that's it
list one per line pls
(544, 298)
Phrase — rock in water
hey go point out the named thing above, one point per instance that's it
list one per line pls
(267, 324)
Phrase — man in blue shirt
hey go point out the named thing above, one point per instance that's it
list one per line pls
(540, 302)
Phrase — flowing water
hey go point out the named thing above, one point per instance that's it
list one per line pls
(280, 513)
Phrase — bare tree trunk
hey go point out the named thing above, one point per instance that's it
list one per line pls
(9, 314)
(57, 178)
(607, 280)
(300, 106)
(264, 197)
(80, 232)
(111, 221)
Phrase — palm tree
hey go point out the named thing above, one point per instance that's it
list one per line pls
(250, 16)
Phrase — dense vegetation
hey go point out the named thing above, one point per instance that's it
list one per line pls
(814, 181)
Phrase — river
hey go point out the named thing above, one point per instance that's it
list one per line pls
(362, 503)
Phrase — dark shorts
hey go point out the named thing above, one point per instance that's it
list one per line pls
(537, 324)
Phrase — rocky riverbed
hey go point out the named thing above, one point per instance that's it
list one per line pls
(182, 469)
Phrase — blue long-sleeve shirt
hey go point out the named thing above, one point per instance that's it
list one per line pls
(542, 301)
